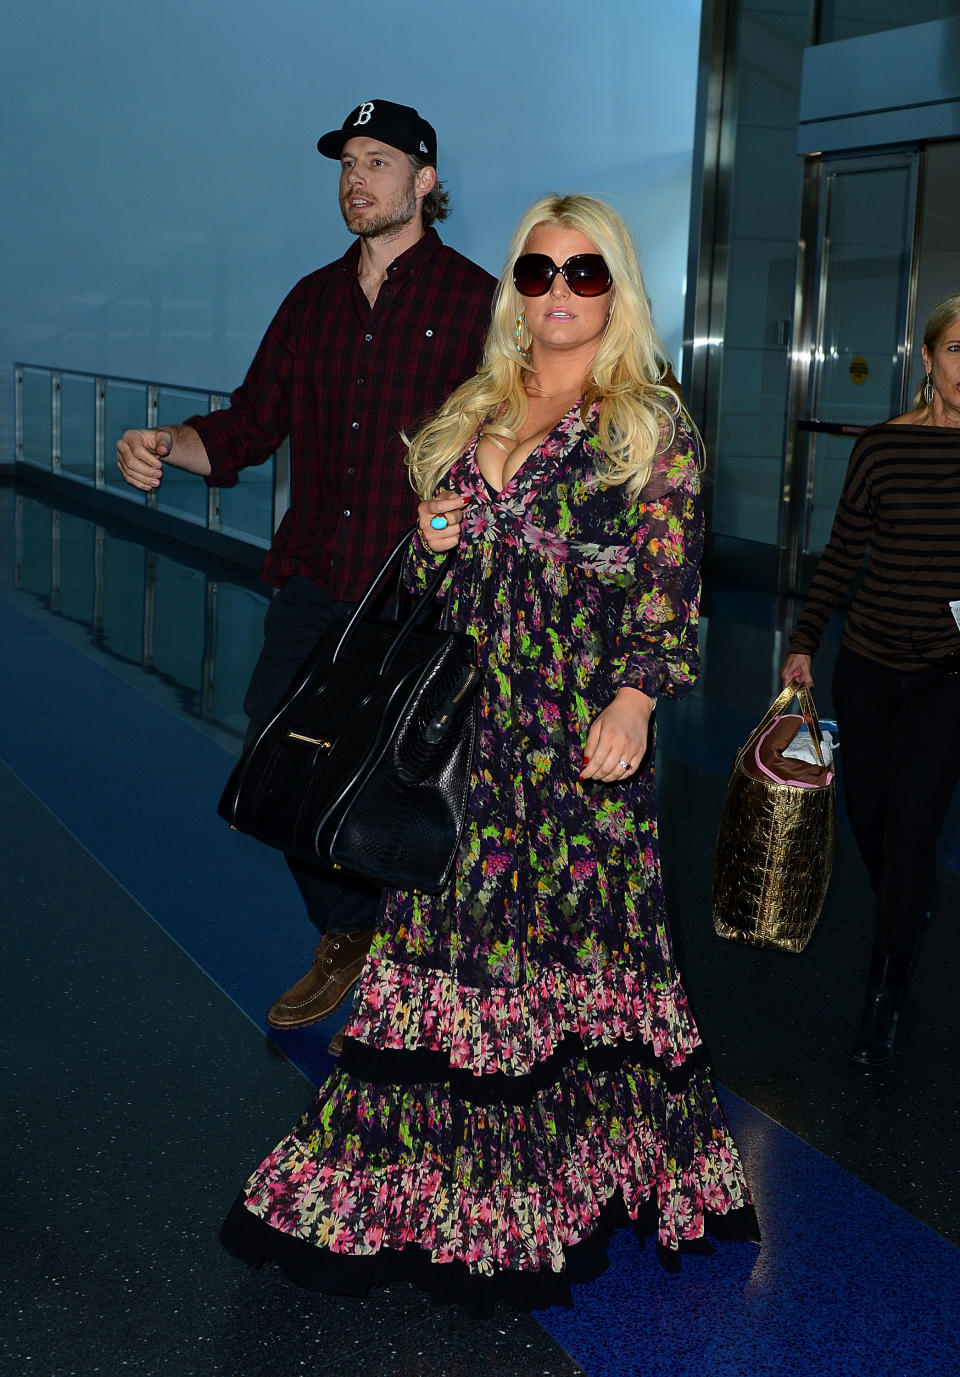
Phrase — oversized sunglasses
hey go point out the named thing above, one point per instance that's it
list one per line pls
(586, 274)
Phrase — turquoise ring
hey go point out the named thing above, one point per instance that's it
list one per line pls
(439, 523)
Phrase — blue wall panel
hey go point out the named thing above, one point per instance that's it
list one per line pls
(167, 192)
(900, 86)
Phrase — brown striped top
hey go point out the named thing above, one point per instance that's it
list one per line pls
(901, 497)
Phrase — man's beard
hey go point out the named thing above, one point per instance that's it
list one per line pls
(390, 220)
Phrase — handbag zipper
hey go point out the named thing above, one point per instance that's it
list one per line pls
(434, 729)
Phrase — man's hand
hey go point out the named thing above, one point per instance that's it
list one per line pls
(139, 455)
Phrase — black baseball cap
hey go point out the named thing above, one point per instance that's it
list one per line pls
(398, 125)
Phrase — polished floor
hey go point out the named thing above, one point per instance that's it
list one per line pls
(144, 941)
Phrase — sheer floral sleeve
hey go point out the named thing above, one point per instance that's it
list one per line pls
(654, 645)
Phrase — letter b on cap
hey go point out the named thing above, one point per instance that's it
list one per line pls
(366, 110)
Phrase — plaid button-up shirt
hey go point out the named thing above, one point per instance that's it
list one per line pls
(342, 381)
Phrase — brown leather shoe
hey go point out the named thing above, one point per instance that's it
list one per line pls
(337, 964)
(336, 1045)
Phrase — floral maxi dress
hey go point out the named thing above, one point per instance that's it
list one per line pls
(521, 1069)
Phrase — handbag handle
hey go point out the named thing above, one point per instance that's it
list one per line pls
(783, 700)
(393, 559)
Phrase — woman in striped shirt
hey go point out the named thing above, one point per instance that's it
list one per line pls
(896, 687)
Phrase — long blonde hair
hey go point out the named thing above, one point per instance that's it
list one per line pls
(635, 409)
(940, 319)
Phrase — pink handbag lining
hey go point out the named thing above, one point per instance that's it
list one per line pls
(797, 783)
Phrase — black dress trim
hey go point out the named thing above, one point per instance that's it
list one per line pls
(402, 1068)
(247, 1237)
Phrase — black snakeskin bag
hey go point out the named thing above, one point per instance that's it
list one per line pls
(365, 765)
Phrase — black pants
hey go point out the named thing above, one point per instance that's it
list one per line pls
(899, 764)
(298, 615)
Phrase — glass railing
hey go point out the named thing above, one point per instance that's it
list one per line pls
(68, 423)
(172, 627)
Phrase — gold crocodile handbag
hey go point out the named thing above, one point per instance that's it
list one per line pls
(777, 834)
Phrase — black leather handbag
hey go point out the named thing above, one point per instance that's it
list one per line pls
(365, 765)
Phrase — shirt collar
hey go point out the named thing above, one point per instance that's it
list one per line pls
(411, 261)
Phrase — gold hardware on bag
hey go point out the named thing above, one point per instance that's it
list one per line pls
(434, 729)
(311, 740)
(467, 683)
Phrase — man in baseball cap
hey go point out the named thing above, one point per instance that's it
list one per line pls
(360, 351)
(389, 192)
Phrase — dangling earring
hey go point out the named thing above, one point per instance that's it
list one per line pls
(518, 333)
(928, 391)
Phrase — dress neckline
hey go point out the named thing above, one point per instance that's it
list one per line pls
(528, 464)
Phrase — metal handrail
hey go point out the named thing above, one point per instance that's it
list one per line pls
(95, 477)
(831, 427)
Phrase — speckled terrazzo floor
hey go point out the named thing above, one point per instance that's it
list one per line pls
(134, 979)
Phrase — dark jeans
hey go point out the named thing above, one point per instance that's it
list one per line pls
(298, 615)
(899, 764)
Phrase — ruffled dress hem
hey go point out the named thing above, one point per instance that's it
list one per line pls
(493, 1187)
(250, 1239)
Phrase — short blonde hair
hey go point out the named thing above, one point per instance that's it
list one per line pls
(637, 414)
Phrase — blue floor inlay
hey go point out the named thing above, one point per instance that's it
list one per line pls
(844, 1283)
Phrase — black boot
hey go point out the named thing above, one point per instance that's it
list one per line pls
(887, 985)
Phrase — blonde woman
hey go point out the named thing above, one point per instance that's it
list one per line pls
(522, 1070)
(896, 683)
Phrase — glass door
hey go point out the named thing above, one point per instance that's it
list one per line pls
(850, 357)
